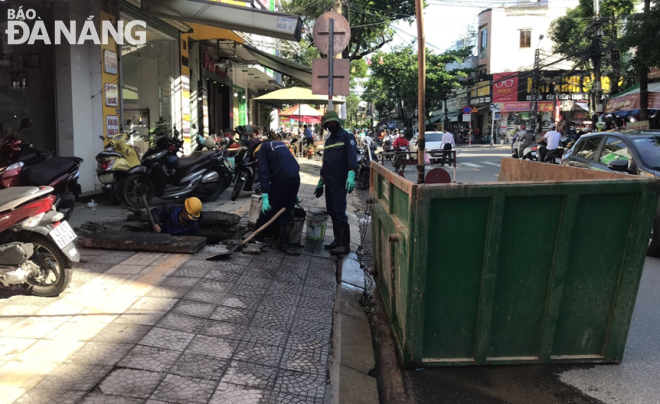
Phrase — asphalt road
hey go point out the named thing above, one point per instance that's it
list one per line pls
(474, 164)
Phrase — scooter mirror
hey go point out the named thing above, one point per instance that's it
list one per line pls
(25, 123)
(102, 138)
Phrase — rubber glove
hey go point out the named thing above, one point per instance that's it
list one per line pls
(350, 182)
(297, 200)
(319, 189)
(265, 205)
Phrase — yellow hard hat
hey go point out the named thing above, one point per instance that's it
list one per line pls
(193, 208)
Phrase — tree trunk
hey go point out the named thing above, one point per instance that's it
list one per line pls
(644, 75)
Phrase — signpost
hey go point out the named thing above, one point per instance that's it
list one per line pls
(494, 110)
(331, 35)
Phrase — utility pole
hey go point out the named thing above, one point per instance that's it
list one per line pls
(596, 58)
(534, 102)
(336, 6)
(421, 100)
(644, 74)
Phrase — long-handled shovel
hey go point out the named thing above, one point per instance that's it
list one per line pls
(247, 240)
(151, 218)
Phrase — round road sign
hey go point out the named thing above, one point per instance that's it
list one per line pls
(342, 33)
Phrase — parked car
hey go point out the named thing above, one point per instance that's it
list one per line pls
(631, 152)
(433, 142)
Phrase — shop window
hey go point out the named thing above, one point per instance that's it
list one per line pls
(240, 106)
(484, 40)
(525, 38)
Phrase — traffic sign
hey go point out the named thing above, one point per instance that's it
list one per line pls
(340, 77)
(497, 116)
(342, 33)
(467, 109)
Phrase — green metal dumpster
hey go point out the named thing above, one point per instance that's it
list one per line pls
(540, 267)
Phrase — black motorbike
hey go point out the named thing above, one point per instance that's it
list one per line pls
(364, 166)
(167, 176)
(246, 175)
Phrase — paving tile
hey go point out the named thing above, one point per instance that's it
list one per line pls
(212, 346)
(125, 269)
(192, 269)
(310, 339)
(320, 283)
(180, 322)
(99, 398)
(259, 354)
(121, 333)
(180, 281)
(227, 393)
(175, 292)
(233, 315)
(307, 361)
(100, 353)
(241, 302)
(318, 293)
(214, 328)
(149, 358)
(314, 314)
(195, 309)
(179, 389)
(285, 301)
(154, 304)
(256, 336)
(205, 296)
(304, 384)
(262, 273)
(273, 397)
(50, 396)
(250, 374)
(168, 339)
(279, 288)
(274, 321)
(74, 377)
(143, 258)
(222, 275)
(245, 290)
(311, 302)
(200, 366)
(213, 285)
(139, 317)
(131, 383)
(92, 267)
(11, 347)
(231, 266)
(109, 258)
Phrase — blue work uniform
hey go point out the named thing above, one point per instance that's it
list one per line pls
(167, 217)
(279, 176)
(339, 157)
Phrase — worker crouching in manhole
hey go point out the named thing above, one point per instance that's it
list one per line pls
(178, 220)
(279, 175)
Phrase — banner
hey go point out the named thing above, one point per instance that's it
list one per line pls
(630, 102)
(522, 106)
(505, 87)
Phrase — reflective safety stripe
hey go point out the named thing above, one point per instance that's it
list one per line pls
(334, 145)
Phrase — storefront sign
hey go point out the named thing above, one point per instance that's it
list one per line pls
(629, 102)
(109, 61)
(111, 95)
(505, 87)
(213, 67)
(639, 125)
(467, 117)
(111, 126)
(524, 106)
(566, 106)
(481, 89)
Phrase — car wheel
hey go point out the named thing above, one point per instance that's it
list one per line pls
(654, 240)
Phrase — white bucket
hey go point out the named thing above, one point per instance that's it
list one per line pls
(316, 224)
(255, 211)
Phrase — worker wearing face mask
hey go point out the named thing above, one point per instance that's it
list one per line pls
(338, 177)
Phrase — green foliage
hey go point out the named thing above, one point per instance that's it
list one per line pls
(395, 80)
(642, 32)
(265, 117)
(370, 21)
(352, 111)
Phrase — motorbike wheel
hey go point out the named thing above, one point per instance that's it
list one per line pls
(113, 196)
(56, 270)
(238, 187)
(134, 186)
(363, 181)
(216, 194)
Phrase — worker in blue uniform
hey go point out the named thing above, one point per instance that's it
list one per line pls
(338, 177)
(279, 176)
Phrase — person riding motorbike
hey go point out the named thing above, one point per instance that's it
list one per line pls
(526, 140)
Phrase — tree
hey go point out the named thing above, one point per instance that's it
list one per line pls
(352, 110)
(392, 85)
(265, 115)
(370, 21)
(574, 34)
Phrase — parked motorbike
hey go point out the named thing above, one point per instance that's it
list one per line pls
(165, 175)
(13, 150)
(114, 163)
(36, 244)
(246, 175)
(364, 166)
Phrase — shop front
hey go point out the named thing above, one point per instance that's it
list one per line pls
(480, 100)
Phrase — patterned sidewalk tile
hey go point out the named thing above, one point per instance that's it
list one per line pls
(279, 288)
(311, 339)
(318, 293)
(246, 290)
(100, 353)
(205, 296)
(121, 333)
(222, 275)
(284, 301)
(154, 304)
(213, 328)
(192, 269)
(314, 314)
(241, 302)
(149, 358)
(307, 361)
(177, 281)
(139, 317)
(250, 374)
(262, 273)
(11, 347)
(261, 354)
(272, 397)
(200, 366)
(257, 336)
(180, 322)
(174, 292)
(275, 321)
(233, 315)
(195, 309)
(50, 396)
(131, 383)
(233, 394)
(213, 285)
(179, 389)
(168, 339)
(74, 377)
(99, 398)
(212, 346)
(304, 384)
(320, 283)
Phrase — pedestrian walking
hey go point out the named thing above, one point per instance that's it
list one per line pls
(279, 176)
(447, 144)
(338, 177)
(309, 137)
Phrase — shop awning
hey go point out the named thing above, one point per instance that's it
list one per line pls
(281, 65)
(204, 32)
(441, 116)
(221, 15)
(301, 110)
(296, 95)
(628, 103)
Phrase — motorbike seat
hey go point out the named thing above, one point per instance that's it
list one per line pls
(47, 171)
(15, 196)
(193, 158)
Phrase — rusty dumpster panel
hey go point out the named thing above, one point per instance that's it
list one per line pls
(511, 272)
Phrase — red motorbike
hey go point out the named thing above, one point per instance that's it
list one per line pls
(36, 244)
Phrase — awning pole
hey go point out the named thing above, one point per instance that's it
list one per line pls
(421, 113)
(331, 61)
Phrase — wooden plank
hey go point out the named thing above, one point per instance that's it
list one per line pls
(524, 170)
(488, 278)
(558, 275)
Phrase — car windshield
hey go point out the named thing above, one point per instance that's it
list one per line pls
(649, 150)
(433, 137)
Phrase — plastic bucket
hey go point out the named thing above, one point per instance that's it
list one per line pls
(316, 224)
(255, 211)
(296, 229)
